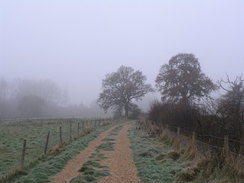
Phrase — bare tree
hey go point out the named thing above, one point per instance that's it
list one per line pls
(3, 88)
(45, 89)
(121, 88)
(31, 106)
(181, 80)
(231, 106)
(3, 96)
(232, 103)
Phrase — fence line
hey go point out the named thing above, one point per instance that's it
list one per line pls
(59, 138)
(226, 142)
(70, 133)
(212, 136)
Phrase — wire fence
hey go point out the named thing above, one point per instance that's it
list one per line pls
(205, 143)
(20, 145)
(232, 145)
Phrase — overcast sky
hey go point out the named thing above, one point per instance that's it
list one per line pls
(77, 42)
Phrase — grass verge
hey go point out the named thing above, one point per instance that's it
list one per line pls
(163, 158)
(152, 169)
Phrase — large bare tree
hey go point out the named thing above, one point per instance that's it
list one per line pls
(120, 88)
(181, 80)
(231, 108)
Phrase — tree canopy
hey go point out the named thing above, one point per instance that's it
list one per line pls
(120, 88)
(181, 80)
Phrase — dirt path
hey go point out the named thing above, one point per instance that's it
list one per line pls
(120, 161)
(71, 169)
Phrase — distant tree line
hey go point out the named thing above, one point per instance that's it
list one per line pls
(25, 98)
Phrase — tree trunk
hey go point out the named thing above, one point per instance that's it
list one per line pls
(126, 111)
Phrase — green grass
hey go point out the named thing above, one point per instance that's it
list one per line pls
(109, 139)
(40, 170)
(92, 170)
(146, 152)
(115, 131)
(107, 146)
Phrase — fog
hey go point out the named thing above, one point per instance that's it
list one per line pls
(74, 44)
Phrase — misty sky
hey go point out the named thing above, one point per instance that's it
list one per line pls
(76, 42)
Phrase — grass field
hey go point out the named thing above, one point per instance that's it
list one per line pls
(158, 158)
(13, 133)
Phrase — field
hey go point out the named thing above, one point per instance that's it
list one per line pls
(35, 131)
(117, 151)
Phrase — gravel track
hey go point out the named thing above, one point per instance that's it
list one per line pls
(120, 161)
(71, 169)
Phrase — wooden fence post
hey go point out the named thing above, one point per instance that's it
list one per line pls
(178, 131)
(193, 137)
(46, 145)
(78, 129)
(60, 136)
(241, 149)
(70, 131)
(23, 155)
(226, 144)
